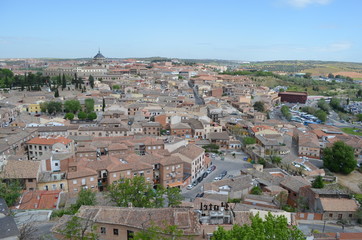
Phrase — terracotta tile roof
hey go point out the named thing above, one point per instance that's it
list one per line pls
(141, 218)
(39, 200)
(20, 169)
(49, 140)
(191, 151)
(338, 205)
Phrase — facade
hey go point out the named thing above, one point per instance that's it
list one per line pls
(43, 146)
(152, 128)
(293, 97)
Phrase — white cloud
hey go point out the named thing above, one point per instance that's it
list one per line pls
(336, 47)
(305, 3)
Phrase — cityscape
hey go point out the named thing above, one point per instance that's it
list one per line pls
(155, 121)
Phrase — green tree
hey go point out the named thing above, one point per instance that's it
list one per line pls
(256, 190)
(249, 140)
(89, 105)
(69, 116)
(85, 197)
(44, 107)
(64, 82)
(82, 115)
(321, 115)
(339, 158)
(318, 182)
(56, 93)
(91, 116)
(72, 106)
(286, 112)
(359, 93)
(10, 191)
(165, 232)
(322, 104)
(79, 229)
(91, 81)
(116, 87)
(273, 227)
(139, 193)
(54, 107)
(103, 104)
(174, 197)
(276, 159)
(359, 117)
(259, 106)
(330, 75)
(336, 104)
(308, 75)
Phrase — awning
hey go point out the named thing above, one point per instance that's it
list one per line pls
(175, 184)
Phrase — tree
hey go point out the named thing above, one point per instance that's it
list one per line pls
(272, 227)
(276, 159)
(116, 87)
(85, 197)
(43, 107)
(165, 232)
(139, 193)
(82, 115)
(54, 107)
(330, 75)
(339, 158)
(318, 182)
(259, 106)
(72, 106)
(249, 140)
(322, 104)
(10, 191)
(91, 116)
(64, 82)
(359, 117)
(308, 75)
(286, 112)
(321, 115)
(91, 81)
(359, 93)
(256, 190)
(89, 105)
(103, 104)
(174, 196)
(79, 229)
(27, 231)
(69, 116)
(56, 93)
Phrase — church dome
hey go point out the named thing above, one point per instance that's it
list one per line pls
(99, 56)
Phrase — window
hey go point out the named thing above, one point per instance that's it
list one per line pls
(350, 215)
(30, 180)
(61, 186)
(115, 231)
(83, 181)
(103, 230)
(114, 174)
(129, 234)
(91, 179)
(331, 215)
(56, 164)
(75, 181)
(40, 148)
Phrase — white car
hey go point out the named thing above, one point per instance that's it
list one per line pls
(216, 179)
(189, 187)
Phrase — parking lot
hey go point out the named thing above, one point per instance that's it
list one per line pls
(230, 164)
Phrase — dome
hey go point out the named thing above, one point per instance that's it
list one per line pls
(99, 56)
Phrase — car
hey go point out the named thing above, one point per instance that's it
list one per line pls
(208, 171)
(199, 179)
(213, 167)
(194, 183)
(204, 175)
(213, 155)
(200, 195)
(207, 155)
(223, 173)
(189, 187)
(217, 178)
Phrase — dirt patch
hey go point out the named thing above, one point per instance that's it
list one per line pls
(349, 74)
(351, 181)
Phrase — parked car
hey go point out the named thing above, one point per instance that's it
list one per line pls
(204, 175)
(200, 195)
(194, 183)
(199, 179)
(189, 187)
(213, 167)
(223, 173)
(217, 178)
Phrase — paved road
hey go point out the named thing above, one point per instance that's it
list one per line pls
(329, 227)
(230, 164)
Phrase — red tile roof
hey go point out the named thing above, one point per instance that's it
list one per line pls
(49, 140)
(39, 200)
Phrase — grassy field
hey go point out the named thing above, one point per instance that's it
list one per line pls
(352, 132)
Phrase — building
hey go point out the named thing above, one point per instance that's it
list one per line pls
(293, 97)
(39, 146)
(115, 223)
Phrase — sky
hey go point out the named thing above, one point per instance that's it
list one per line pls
(245, 30)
